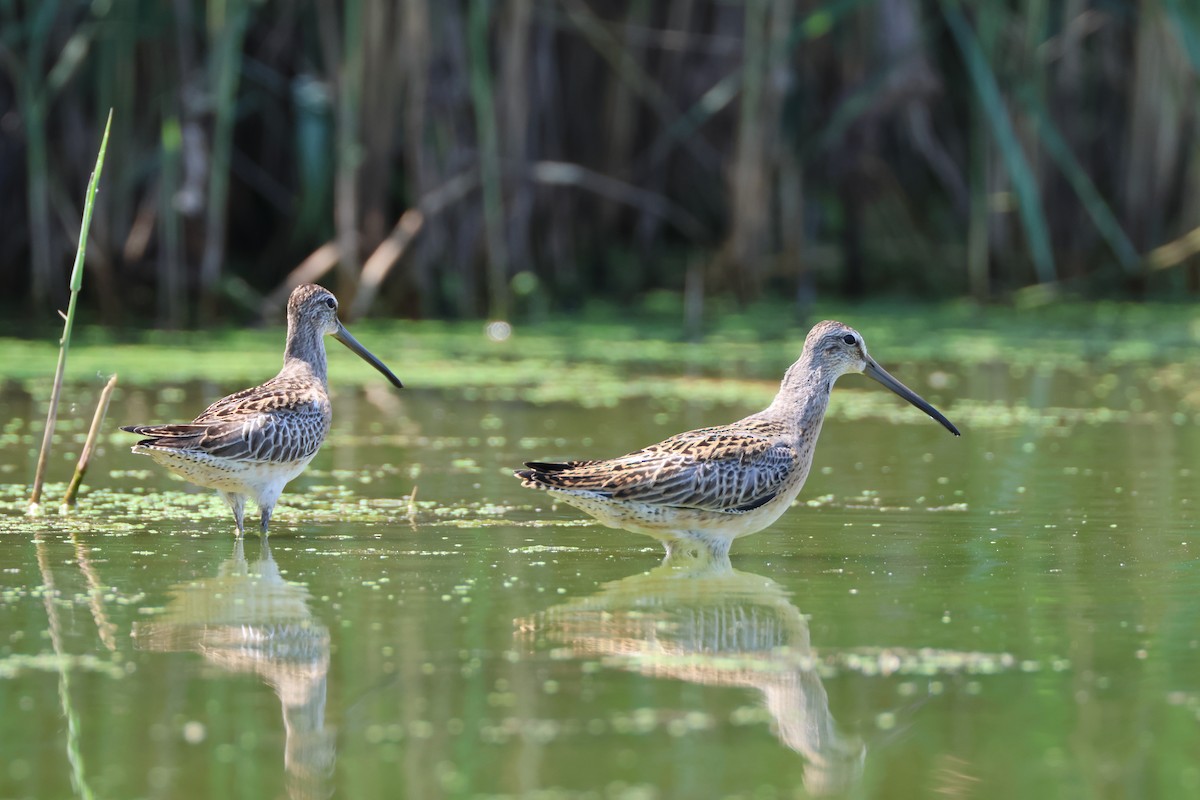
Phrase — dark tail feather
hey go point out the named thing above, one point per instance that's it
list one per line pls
(542, 474)
(181, 436)
(555, 475)
(140, 430)
(552, 466)
(535, 479)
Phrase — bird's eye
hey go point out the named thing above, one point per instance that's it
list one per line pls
(849, 339)
(330, 302)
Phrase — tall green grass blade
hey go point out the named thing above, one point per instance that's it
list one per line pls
(314, 143)
(820, 21)
(1187, 29)
(39, 476)
(478, 21)
(227, 26)
(172, 276)
(88, 207)
(1102, 215)
(857, 103)
(812, 26)
(1033, 218)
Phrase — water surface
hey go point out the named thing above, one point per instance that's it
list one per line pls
(1009, 614)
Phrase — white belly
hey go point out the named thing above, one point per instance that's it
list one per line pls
(257, 479)
(671, 522)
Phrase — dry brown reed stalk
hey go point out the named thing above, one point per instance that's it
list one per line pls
(411, 222)
(310, 270)
(85, 456)
(1174, 252)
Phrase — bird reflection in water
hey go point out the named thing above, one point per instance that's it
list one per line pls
(248, 619)
(697, 619)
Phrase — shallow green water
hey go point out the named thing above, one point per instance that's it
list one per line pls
(1009, 614)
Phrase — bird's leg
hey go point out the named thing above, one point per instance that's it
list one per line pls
(266, 499)
(696, 548)
(237, 502)
(680, 551)
(718, 547)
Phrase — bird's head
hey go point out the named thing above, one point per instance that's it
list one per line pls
(837, 348)
(313, 306)
(834, 349)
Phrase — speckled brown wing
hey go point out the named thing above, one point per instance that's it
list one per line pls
(279, 421)
(713, 469)
(276, 394)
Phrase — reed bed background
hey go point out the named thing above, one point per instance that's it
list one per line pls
(467, 158)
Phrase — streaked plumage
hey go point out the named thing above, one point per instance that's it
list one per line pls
(253, 442)
(713, 485)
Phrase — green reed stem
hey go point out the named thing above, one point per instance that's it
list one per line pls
(227, 30)
(1093, 202)
(987, 89)
(39, 475)
(478, 19)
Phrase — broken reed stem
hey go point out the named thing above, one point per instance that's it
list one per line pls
(412, 505)
(39, 476)
(90, 444)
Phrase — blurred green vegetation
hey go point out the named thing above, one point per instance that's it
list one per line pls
(607, 352)
(467, 158)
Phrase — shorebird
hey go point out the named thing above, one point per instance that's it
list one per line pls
(253, 442)
(707, 487)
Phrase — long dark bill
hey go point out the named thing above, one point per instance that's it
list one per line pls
(873, 370)
(343, 336)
